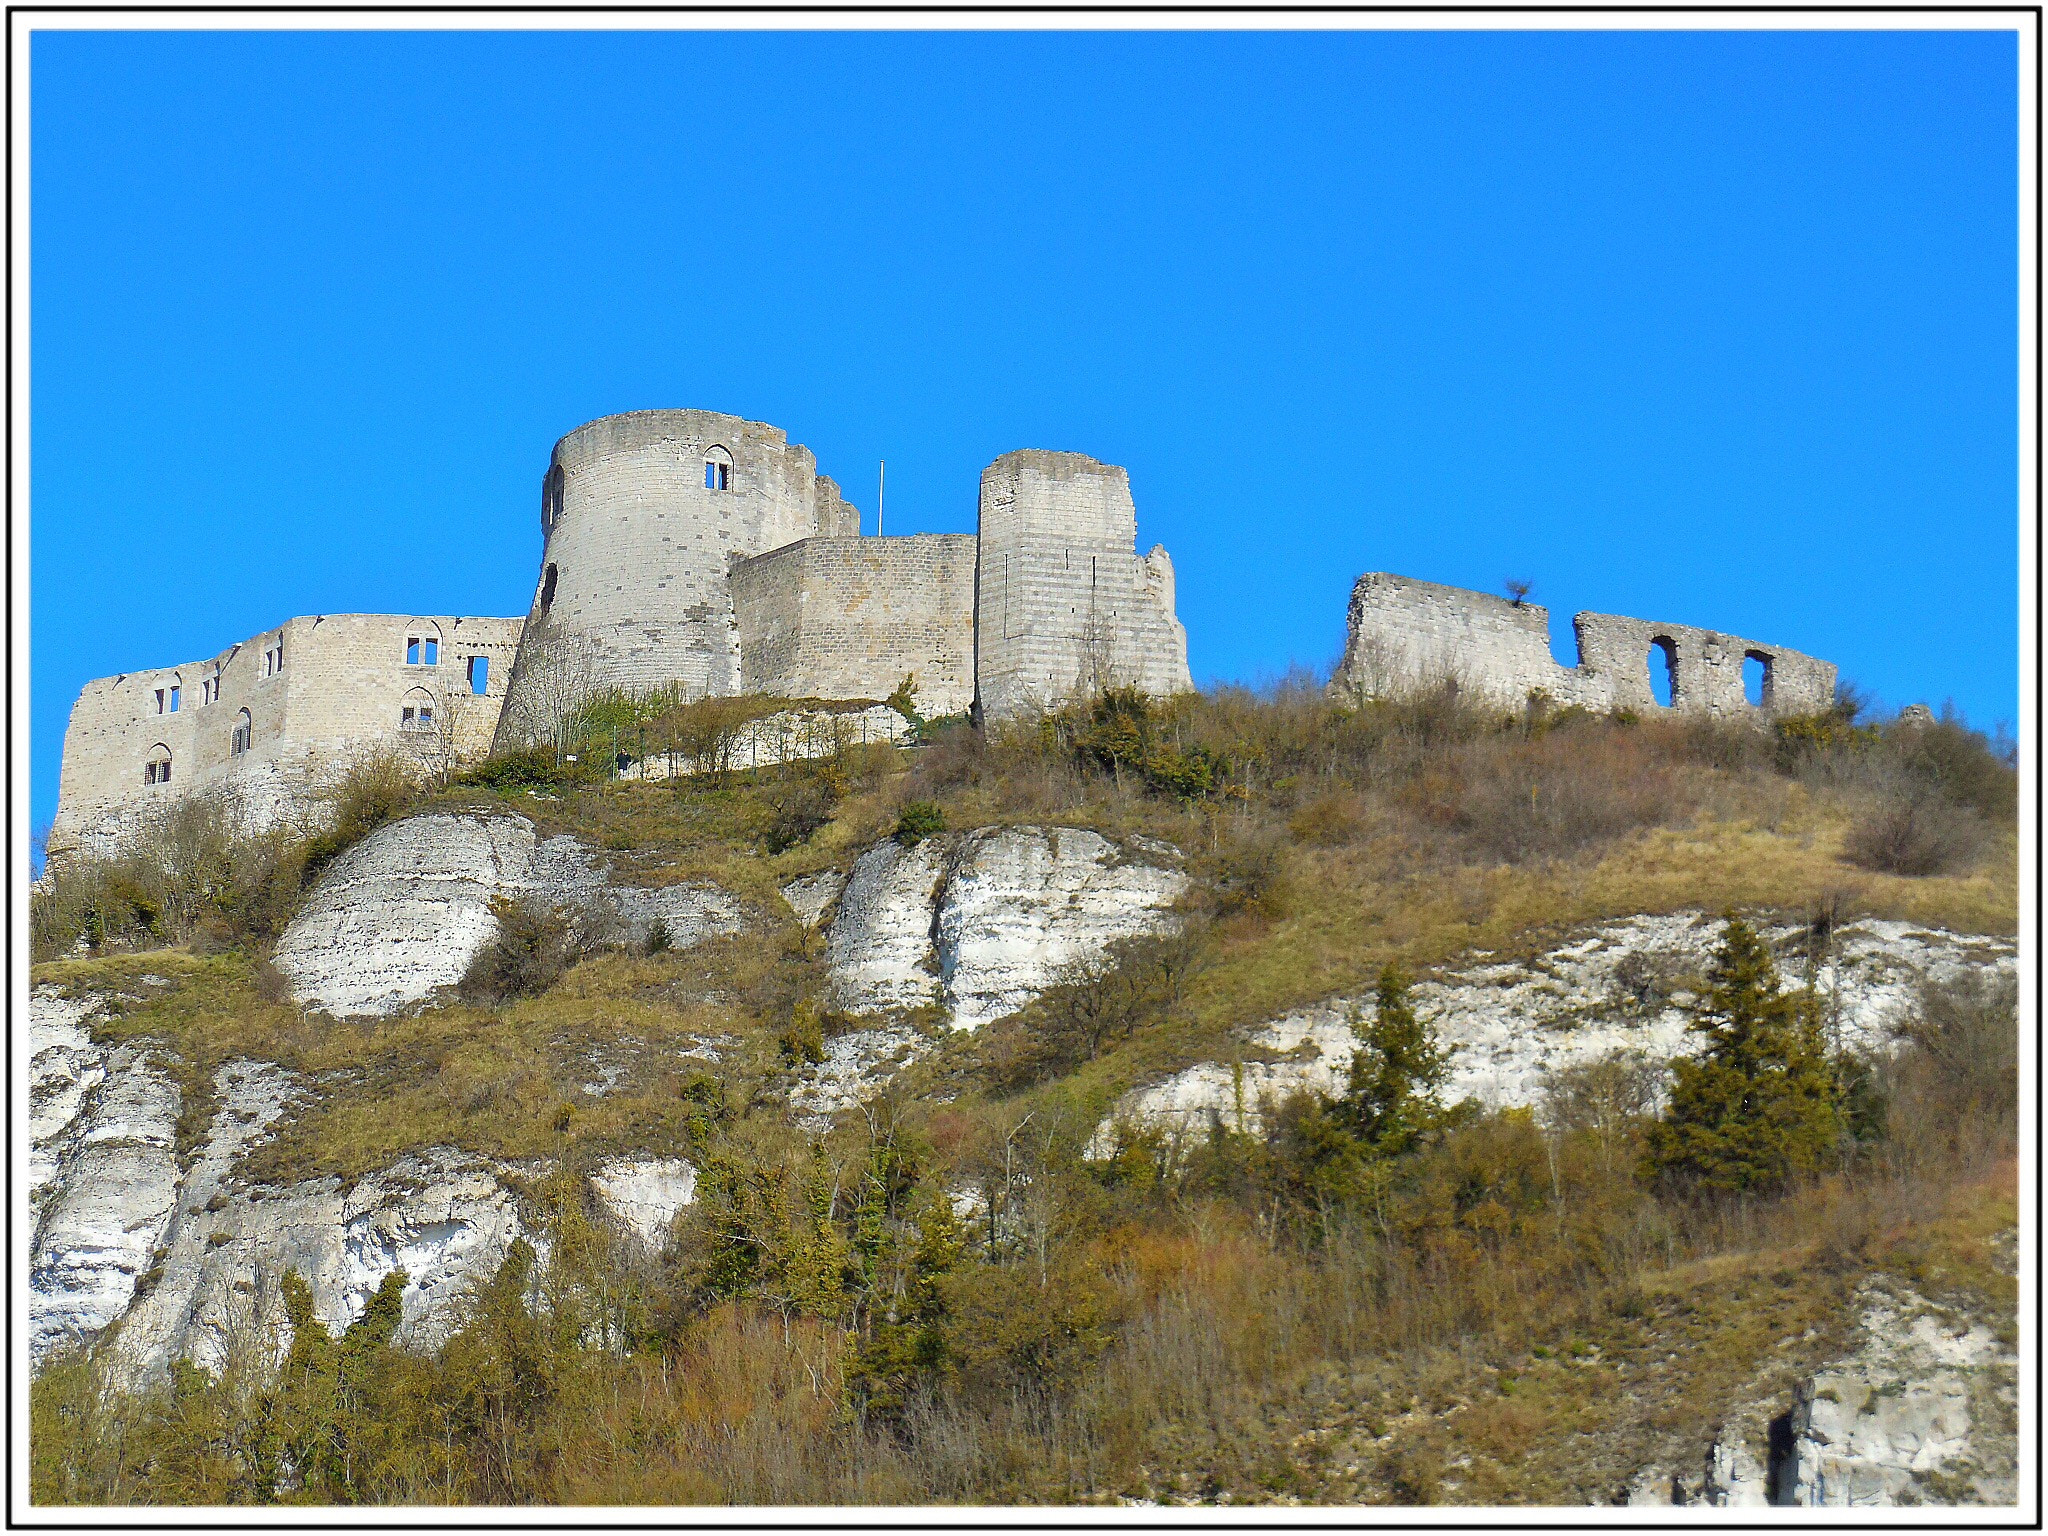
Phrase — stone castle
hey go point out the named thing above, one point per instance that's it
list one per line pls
(699, 550)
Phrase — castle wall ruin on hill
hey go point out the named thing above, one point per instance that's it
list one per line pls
(701, 551)
(1403, 634)
(850, 618)
(268, 722)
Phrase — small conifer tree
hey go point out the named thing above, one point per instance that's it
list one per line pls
(1394, 1098)
(1759, 1105)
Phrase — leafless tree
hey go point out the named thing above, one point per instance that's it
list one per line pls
(556, 677)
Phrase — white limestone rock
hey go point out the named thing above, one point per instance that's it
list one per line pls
(880, 949)
(1903, 1420)
(983, 922)
(646, 1195)
(104, 1165)
(857, 1066)
(1028, 902)
(809, 895)
(1618, 988)
(444, 1217)
(405, 911)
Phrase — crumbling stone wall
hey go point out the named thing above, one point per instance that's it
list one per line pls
(849, 618)
(642, 515)
(1403, 634)
(316, 691)
(1063, 602)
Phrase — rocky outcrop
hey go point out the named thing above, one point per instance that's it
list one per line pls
(981, 922)
(103, 1166)
(646, 1195)
(1923, 1413)
(810, 895)
(857, 1066)
(1622, 987)
(190, 1262)
(405, 911)
(442, 1216)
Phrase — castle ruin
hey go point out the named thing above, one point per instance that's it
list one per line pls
(265, 723)
(1403, 634)
(705, 552)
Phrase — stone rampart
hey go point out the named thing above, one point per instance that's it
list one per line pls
(264, 724)
(1064, 604)
(642, 515)
(1403, 634)
(850, 618)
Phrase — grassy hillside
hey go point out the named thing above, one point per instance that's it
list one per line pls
(1515, 1309)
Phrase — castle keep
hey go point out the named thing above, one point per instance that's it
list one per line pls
(700, 550)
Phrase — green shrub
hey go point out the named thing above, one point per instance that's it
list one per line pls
(919, 820)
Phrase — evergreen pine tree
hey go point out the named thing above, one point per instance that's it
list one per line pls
(1759, 1105)
(1397, 1075)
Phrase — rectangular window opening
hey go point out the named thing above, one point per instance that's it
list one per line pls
(433, 651)
(174, 701)
(479, 675)
(412, 650)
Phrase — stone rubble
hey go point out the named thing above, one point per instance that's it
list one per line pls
(404, 912)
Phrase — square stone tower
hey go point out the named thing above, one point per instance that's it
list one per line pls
(1064, 604)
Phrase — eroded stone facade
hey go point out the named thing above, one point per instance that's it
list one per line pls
(1404, 634)
(264, 724)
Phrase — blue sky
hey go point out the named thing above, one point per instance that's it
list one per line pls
(1708, 328)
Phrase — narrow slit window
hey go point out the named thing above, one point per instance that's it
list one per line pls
(412, 650)
(175, 690)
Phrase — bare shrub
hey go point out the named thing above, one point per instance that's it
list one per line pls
(1518, 798)
(1095, 1003)
(534, 946)
(1955, 1082)
(1910, 828)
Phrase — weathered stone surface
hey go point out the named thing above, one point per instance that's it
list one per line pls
(858, 1065)
(407, 910)
(1922, 1413)
(265, 726)
(444, 1217)
(1403, 634)
(982, 922)
(105, 1170)
(1026, 903)
(880, 951)
(809, 896)
(1620, 988)
(646, 1195)
(403, 912)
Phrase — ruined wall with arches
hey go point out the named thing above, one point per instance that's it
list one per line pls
(1402, 634)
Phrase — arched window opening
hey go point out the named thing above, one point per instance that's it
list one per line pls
(209, 687)
(156, 768)
(416, 711)
(1663, 664)
(717, 469)
(238, 743)
(273, 657)
(167, 698)
(547, 589)
(1756, 678)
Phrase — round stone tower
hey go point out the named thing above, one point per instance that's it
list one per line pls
(641, 517)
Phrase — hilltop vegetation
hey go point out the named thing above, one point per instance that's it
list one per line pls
(1381, 1296)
